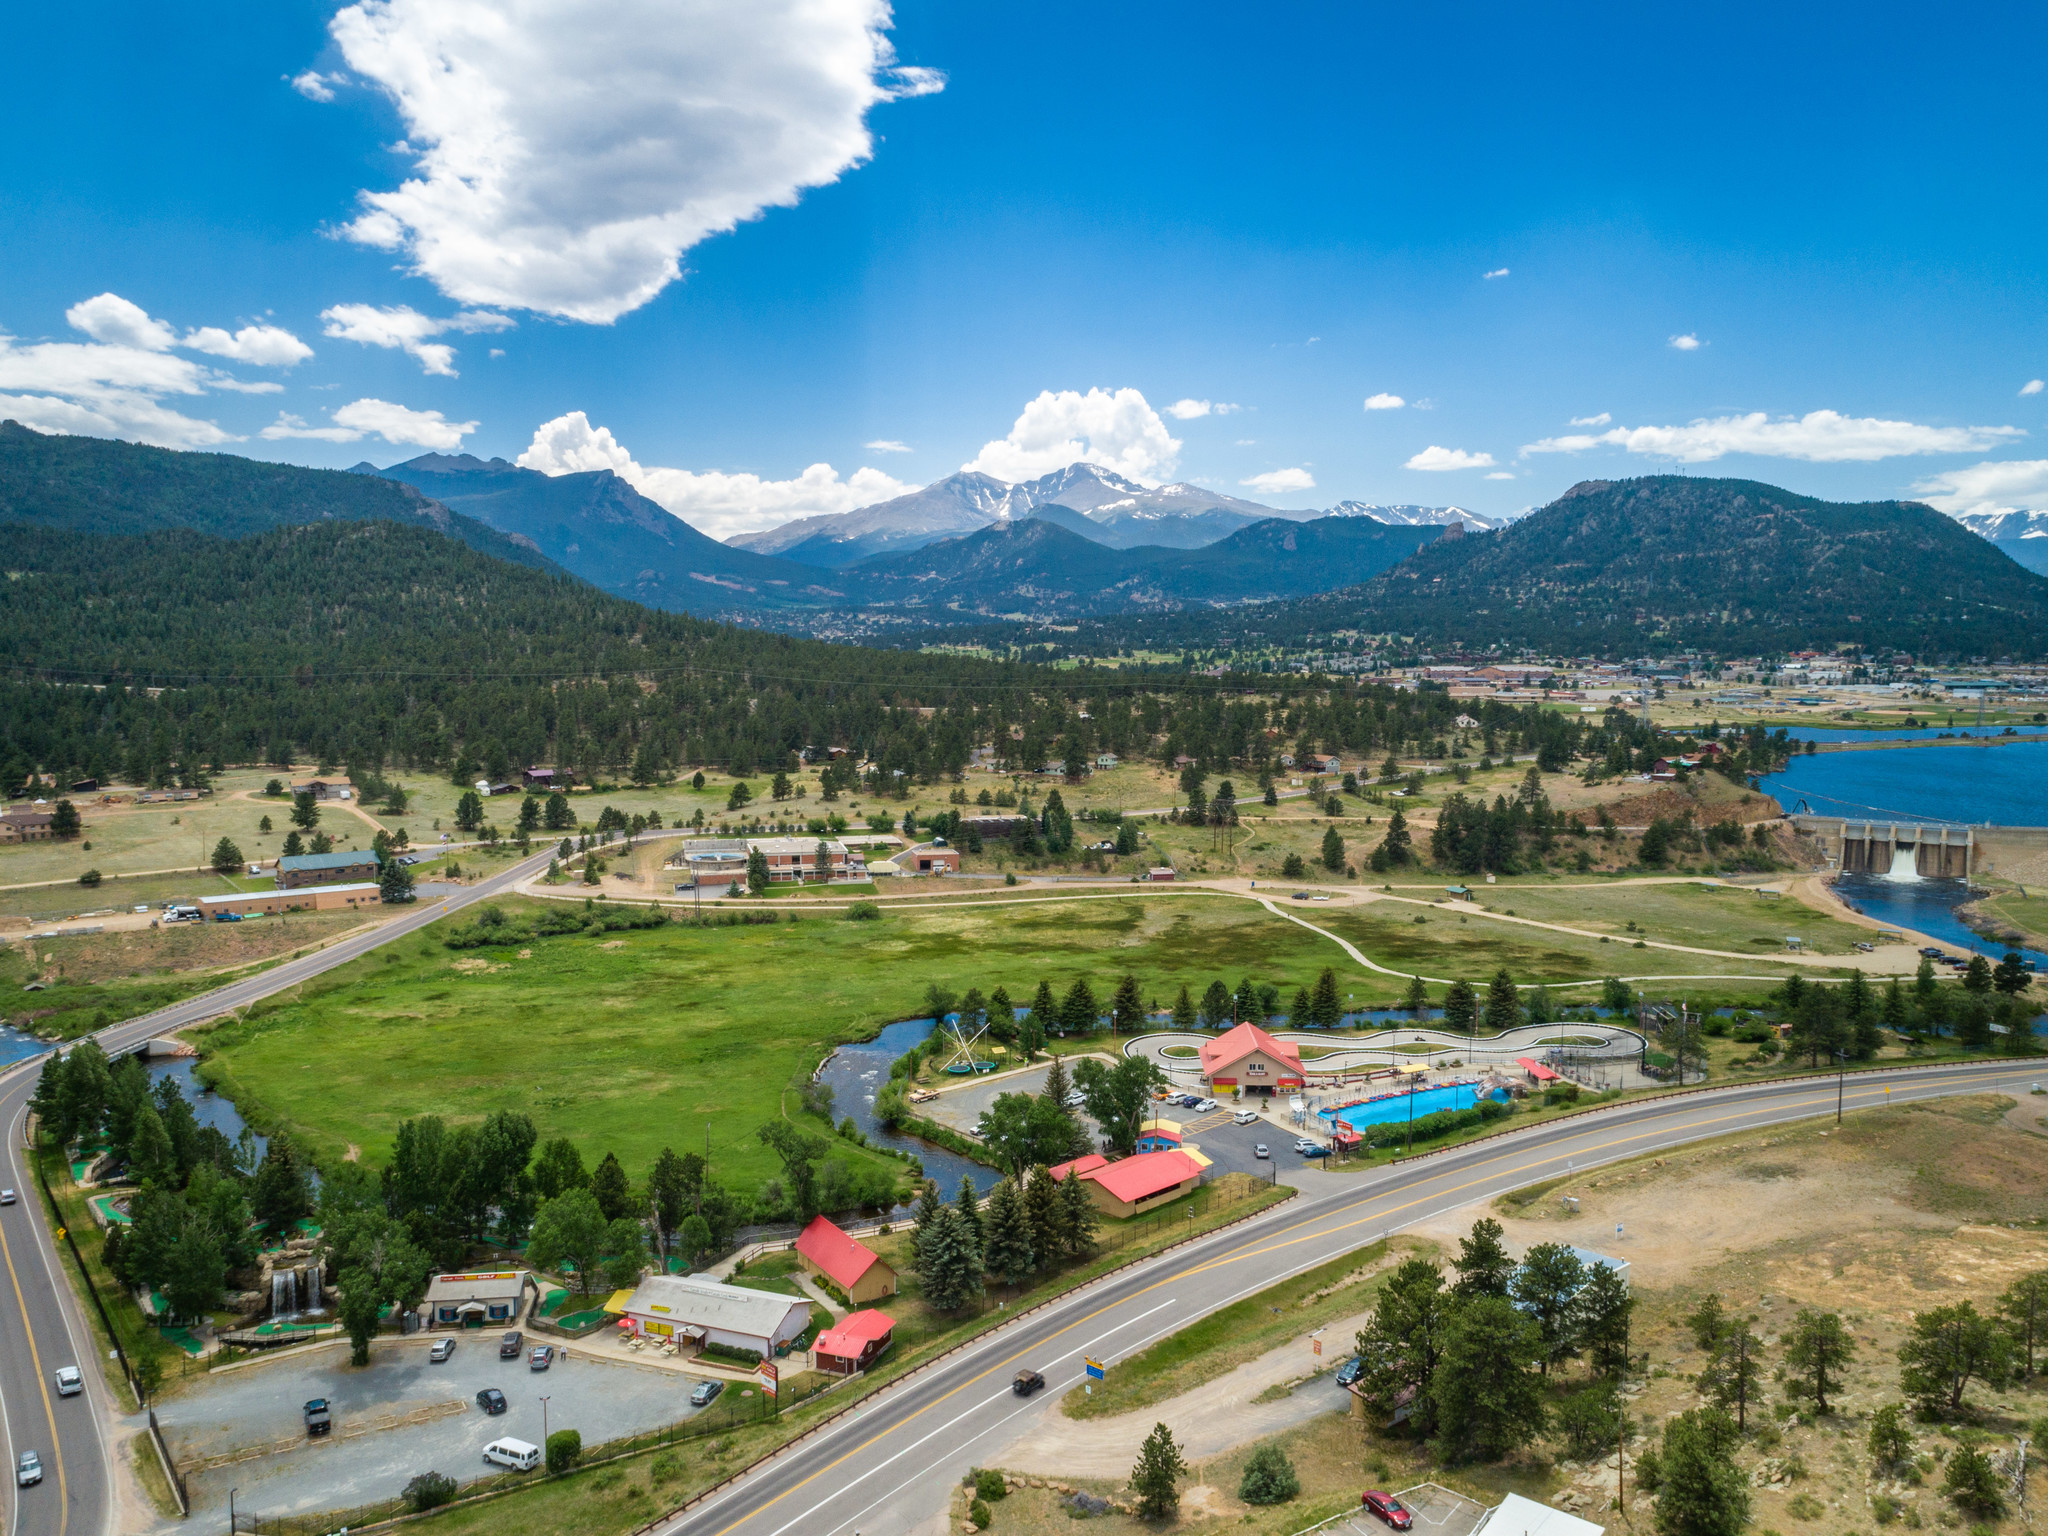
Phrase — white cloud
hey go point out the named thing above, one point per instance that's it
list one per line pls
(1384, 402)
(1435, 458)
(115, 385)
(267, 346)
(1118, 431)
(1686, 343)
(393, 423)
(716, 503)
(2014, 485)
(315, 86)
(1189, 410)
(1818, 436)
(1274, 481)
(1500, 474)
(400, 325)
(1496, 272)
(886, 445)
(1592, 421)
(567, 154)
(115, 321)
(2032, 387)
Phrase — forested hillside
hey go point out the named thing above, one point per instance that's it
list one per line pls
(90, 486)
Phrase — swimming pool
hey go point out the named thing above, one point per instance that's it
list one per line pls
(1397, 1107)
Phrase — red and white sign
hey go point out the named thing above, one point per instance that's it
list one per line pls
(769, 1375)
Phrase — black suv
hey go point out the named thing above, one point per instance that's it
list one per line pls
(1026, 1383)
(491, 1400)
(508, 1346)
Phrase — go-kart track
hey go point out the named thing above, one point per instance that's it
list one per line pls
(1324, 1056)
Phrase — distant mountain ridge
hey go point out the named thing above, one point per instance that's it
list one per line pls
(600, 528)
(2022, 535)
(1408, 515)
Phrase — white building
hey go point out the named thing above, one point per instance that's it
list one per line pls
(706, 1311)
(476, 1299)
(1517, 1516)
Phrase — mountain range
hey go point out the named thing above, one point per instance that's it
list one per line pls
(1409, 516)
(2023, 535)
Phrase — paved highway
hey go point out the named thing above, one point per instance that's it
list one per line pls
(41, 1323)
(891, 1465)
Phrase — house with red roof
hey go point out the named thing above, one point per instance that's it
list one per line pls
(1132, 1185)
(852, 1343)
(855, 1268)
(1247, 1057)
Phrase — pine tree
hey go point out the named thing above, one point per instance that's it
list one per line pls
(1057, 1085)
(1045, 1011)
(1078, 1009)
(929, 1204)
(1333, 850)
(1215, 1009)
(1816, 1354)
(1486, 1393)
(1896, 1016)
(1701, 1491)
(1326, 1007)
(1734, 1375)
(1399, 844)
(1244, 1002)
(968, 1204)
(1482, 1263)
(1503, 1003)
(1416, 999)
(1185, 1017)
(1302, 1015)
(1924, 984)
(1002, 1014)
(1007, 1253)
(1042, 1216)
(150, 1155)
(1077, 1217)
(1127, 1009)
(1461, 1007)
(1156, 1477)
(949, 1262)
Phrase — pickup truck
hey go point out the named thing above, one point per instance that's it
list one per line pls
(317, 1420)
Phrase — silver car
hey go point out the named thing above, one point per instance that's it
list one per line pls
(69, 1382)
(442, 1349)
(29, 1469)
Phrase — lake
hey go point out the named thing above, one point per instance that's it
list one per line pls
(2000, 785)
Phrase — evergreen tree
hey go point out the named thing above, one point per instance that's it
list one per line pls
(1186, 1019)
(1817, 1351)
(1215, 1010)
(1503, 1004)
(197, 1272)
(1896, 1015)
(968, 1204)
(294, 845)
(1302, 1014)
(1078, 1010)
(149, 1148)
(1269, 1477)
(1078, 1217)
(1701, 1491)
(1977, 975)
(1891, 1438)
(2024, 1309)
(1734, 1374)
(1057, 825)
(1042, 1217)
(1973, 1483)
(1482, 1263)
(1399, 844)
(1244, 1002)
(1333, 850)
(929, 1203)
(1403, 1340)
(608, 1186)
(1546, 1286)
(1057, 1085)
(1325, 1007)
(394, 883)
(1416, 998)
(2011, 976)
(1601, 1314)
(1949, 1348)
(227, 857)
(64, 821)
(1461, 1008)
(1486, 1394)
(1045, 1013)
(1007, 1254)
(1002, 1015)
(1707, 1322)
(1156, 1477)
(1924, 984)
(281, 1194)
(949, 1262)
(1127, 1009)
(757, 872)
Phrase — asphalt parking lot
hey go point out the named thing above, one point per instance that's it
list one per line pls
(396, 1417)
(962, 1107)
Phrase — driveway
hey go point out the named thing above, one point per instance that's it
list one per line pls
(398, 1416)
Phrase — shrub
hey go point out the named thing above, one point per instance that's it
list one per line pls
(981, 1514)
(749, 1357)
(1269, 1477)
(1884, 1508)
(989, 1484)
(90, 878)
(565, 1449)
(863, 912)
(1804, 1506)
(1649, 1471)
(666, 1467)
(430, 1490)
(1291, 867)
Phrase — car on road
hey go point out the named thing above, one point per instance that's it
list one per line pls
(1314, 1150)
(442, 1349)
(706, 1393)
(27, 1470)
(541, 1357)
(69, 1382)
(1301, 896)
(491, 1400)
(1024, 1383)
(1349, 1371)
(1260, 1151)
(6, 1197)
(1245, 1117)
(1302, 1143)
(1387, 1508)
(509, 1346)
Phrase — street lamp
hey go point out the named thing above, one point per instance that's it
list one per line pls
(544, 1423)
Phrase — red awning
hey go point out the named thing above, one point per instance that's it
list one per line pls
(1537, 1070)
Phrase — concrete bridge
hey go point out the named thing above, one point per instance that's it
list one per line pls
(1930, 850)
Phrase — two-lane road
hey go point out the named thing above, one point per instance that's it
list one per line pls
(41, 1327)
(891, 1465)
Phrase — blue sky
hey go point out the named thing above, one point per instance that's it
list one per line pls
(943, 215)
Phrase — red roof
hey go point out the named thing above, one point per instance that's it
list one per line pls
(1081, 1165)
(1537, 1070)
(845, 1339)
(1135, 1178)
(1234, 1045)
(838, 1257)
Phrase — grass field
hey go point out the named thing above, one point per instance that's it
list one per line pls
(646, 1039)
(1713, 917)
(2027, 913)
(68, 1007)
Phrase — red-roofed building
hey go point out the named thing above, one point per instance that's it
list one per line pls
(852, 1343)
(1133, 1185)
(854, 1267)
(1249, 1058)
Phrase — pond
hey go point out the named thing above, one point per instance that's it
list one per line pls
(208, 1107)
(1973, 785)
(856, 1072)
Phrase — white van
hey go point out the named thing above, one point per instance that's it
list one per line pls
(516, 1454)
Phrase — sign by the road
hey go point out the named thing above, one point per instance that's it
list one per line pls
(1094, 1368)
(769, 1376)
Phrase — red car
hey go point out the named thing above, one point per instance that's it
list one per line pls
(1388, 1508)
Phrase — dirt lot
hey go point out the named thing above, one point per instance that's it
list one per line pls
(192, 946)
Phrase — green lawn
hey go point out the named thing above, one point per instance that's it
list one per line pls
(1713, 917)
(680, 1030)
(2028, 913)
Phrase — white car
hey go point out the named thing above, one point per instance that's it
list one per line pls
(1206, 1104)
(1076, 1099)
(1260, 1151)
(1245, 1117)
(6, 1197)
(69, 1382)
(29, 1469)
(442, 1349)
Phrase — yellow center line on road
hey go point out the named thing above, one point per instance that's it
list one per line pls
(36, 1361)
(1259, 1248)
